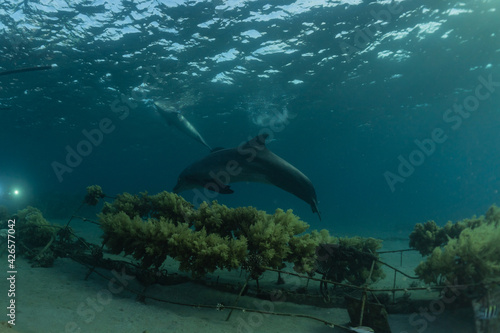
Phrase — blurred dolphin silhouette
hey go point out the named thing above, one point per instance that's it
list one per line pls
(250, 162)
(176, 119)
(22, 70)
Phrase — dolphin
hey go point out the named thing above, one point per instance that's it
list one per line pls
(175, 118)
(250, 162)
(28, 69)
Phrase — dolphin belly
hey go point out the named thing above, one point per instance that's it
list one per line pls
(250, 162)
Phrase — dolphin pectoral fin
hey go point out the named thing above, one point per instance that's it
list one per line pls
(206, 144)
(226, 190)
(218, 187)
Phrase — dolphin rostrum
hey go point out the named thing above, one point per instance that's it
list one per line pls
(251, 162)
(175, 118)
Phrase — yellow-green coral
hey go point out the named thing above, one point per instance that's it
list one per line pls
(32, 228)
(270, 235)
(425, 237)
(360, 264)
(470, 257)
(492, 216)
(164, 204)
(216, 218)
(153, 239)
(201, 253)
(150, 228)
(350, 259)
(94, 194)
(304, 250)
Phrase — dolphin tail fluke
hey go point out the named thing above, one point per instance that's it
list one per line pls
(207, 145)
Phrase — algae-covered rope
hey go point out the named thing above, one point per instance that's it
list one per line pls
(369, 289)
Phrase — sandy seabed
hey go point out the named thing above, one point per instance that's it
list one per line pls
(59, 299)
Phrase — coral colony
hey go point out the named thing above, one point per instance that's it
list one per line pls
(461, 257)
(152, 227)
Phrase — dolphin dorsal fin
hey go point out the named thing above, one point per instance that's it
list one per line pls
(259, 142)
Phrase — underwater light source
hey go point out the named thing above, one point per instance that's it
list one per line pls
(15, 193)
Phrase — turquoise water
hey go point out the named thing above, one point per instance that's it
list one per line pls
(390, 108)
